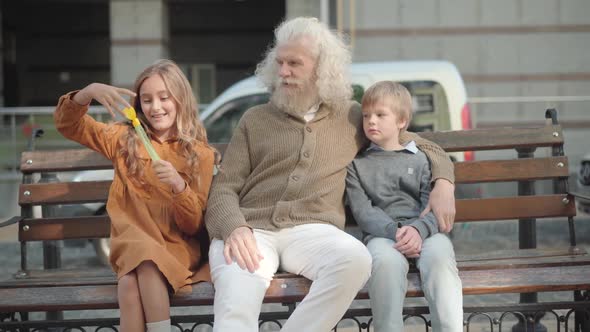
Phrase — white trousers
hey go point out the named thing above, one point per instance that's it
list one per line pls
(337, 264)
(440, 282)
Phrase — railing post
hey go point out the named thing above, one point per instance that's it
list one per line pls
(527, 239)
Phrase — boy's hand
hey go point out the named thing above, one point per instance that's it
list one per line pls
(109, 96)
(408, 241)
(168, 174)
(442, 204)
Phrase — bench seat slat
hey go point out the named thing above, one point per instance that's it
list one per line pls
(519, 258)
(64, 274)
(505, 208)
(55, 281)
(514, 263)
(567, 278)
(511, 170)
(526, 280)
(496, 138)
(521, 254)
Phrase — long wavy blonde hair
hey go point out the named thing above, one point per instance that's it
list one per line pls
(331, 52)
(189, 128)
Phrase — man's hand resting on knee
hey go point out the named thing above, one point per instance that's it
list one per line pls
(442, 204)
(241, 245)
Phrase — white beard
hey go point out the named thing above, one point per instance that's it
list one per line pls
(295, 100)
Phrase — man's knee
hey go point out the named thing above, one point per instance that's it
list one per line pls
(231, 282)
(238, 300)
(362, 260)
(355, 262)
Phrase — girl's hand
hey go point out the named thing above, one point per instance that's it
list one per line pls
(109, 96)
(168, 174)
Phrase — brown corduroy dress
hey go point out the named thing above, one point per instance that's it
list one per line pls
(148, 221)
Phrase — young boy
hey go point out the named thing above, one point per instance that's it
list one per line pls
(388, 185)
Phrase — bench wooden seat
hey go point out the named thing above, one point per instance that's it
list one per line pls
(506, 270)
(287, 288)
(509, 259)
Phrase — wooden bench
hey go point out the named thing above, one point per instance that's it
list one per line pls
(509, 270)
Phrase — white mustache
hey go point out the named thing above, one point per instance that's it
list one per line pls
(289, 81)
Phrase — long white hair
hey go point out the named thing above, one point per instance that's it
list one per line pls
(332, 54)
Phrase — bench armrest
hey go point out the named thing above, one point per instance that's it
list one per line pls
(11, 221)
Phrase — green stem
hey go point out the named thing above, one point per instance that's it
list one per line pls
(146, 142)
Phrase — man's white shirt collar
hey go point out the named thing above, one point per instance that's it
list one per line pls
(312, 112)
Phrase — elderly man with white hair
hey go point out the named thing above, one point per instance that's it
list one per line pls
(278, 200)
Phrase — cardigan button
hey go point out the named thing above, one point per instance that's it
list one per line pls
(308, 129)
(306, 154)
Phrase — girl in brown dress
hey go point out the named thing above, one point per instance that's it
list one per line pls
(156, 207)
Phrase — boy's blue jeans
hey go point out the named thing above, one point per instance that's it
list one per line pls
(440, 282)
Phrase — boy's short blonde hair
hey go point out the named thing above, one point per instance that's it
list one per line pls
(400, 99)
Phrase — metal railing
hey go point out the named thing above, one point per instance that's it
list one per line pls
(526, 99)
(574, 111)
(17, 124)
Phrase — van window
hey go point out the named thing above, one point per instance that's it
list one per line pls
(431, 109)
(221, 124)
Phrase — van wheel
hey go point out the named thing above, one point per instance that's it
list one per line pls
(102, 246)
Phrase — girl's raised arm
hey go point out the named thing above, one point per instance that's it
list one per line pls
(109, 96)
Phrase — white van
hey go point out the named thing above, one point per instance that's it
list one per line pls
(440, 99)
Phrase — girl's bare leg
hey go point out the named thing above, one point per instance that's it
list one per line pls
(154, 292)
(132, 318)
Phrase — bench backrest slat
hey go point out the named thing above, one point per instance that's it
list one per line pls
(451, 141)
(64, 192)
(505, 208)
(511, 170)
(63, 160)
(496, 138)
(64, 228)
(465, 172)
(70, 160)
(485, 209)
